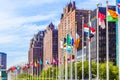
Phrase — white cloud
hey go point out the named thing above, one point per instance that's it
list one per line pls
(5, 39)
(18, 21)
(91, 4)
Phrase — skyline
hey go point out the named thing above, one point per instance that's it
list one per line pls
(20, 22)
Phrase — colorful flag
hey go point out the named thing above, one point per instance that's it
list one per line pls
(41, 62)
(72, 42)
(64, 43)
(101, 18)
(18, 67)
(112, 16)
(35, 64)
(68, 40)
(13, 68)
(38, 64)
(69, 49)
(92, 31)
(24, 67)
(53, 61)
(76, 42)
(118, 6)
(89, 31)
(86, 29)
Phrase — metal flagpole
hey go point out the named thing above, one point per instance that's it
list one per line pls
(56, 71)
(43, 74)
(66, 69)
(76, 56)
(118, 26)
(119, 41)
(49, 72)
(71, 66)
(90, 75)
(118, 30)
(82, 48)
(107, 45)
(59, 71)
(37, 69)
(97, 44)
(71, 55)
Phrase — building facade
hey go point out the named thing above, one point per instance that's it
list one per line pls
(35, 53)
(50, 45)
(102, 38)
(71, 23)
(3, 64)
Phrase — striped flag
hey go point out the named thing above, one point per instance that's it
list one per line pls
(112, 16)
(88, 29)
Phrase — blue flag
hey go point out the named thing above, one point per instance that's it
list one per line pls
(118, 6)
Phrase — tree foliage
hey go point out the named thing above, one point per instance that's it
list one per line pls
(52, 72)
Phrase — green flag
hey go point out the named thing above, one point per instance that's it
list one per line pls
(112, 16)
(68, 40)
(40, 61)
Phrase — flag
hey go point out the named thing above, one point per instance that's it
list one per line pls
(92, 31)
(41, 62)
(76, 43)
(47, 62)
(86, 29)
(61, 44)
(18, 67)
(53, 62)
(69, 49)
(101, 18)
(112, 16)
(72, 42)
(24, 67)
(64, 43)
(13, 68)
(68, 40)
(118, 6)
(89, 31)
(38, 64)
(35, 64)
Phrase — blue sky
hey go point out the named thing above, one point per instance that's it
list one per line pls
(21, 19)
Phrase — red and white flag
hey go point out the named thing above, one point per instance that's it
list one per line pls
(101, 18)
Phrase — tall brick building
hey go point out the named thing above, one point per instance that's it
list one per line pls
(50, 44)
(71, 19)
(35, 52)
